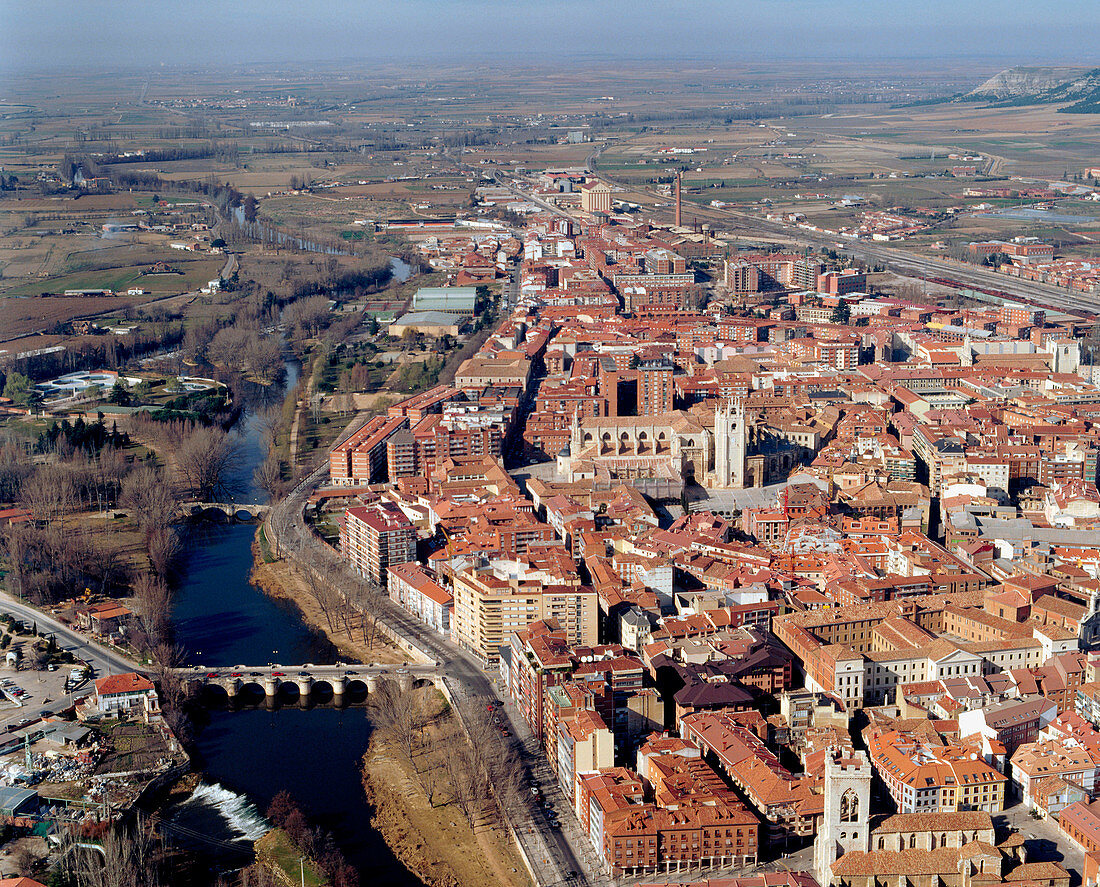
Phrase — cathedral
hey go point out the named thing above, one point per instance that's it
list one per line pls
(661, 453)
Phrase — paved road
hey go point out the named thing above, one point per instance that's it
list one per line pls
(103, 660)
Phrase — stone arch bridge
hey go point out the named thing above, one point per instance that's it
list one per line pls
(230, 510)
(303, 680)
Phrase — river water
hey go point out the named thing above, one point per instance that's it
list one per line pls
(249, 755)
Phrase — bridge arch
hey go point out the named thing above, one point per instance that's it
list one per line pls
(355, 690)
(322, 690)
(214, 695)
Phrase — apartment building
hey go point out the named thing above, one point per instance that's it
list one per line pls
(540, 657)
(1067, 759)
(924, 777)
(841, 283)
(655, 387)
(414, 589)
(494, 600)
(790, 804)
(361, 459)
(375, 537)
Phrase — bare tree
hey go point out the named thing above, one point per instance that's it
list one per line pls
(24, 860)
(431, 772)
(308, 316)
(399, 718)
(132, 857)
(165, 547)
(155, 602)
(167, 657)
(228, 346)
(263, 357)
(49, 493)
(148, 495)
(464, 780)
(367, 600)
(207, 459)
(271, 425)
(320, 586)
(269, 476)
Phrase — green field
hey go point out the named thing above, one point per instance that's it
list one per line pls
(195, 274)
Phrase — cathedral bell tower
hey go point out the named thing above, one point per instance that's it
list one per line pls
(730, 436)
(846, 823)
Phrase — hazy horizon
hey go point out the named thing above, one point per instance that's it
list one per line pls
(124, 34)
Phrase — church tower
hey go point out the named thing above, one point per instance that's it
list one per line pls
(730, 435)
(845, 825)
(569, 453)
(575, 438)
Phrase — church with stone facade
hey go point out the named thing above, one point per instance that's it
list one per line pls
(958, 849)
(727, 448)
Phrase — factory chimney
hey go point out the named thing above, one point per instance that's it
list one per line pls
(679, 176)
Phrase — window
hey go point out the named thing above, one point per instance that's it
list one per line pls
(849, 807)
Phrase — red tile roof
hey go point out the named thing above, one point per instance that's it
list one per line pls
(131, 682)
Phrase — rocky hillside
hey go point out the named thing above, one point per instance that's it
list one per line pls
(1019, 82)
(1076, 88)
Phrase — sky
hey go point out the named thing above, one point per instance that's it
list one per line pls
(38, 35)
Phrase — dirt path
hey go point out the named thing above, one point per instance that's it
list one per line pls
(300, 408)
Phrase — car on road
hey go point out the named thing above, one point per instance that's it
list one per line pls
(237, 674)
(278, 674)
(255, 674)
(213, 674)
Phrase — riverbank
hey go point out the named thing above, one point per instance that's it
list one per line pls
(436, 843)
(282, 580)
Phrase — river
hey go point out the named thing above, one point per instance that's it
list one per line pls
(249, 755)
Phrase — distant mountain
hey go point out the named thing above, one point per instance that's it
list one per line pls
(1076, 88)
